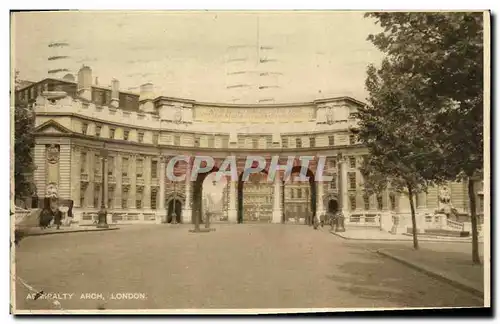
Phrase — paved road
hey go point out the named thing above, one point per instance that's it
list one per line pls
(237, 266)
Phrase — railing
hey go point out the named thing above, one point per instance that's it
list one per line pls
(366, 219)
(455, 225)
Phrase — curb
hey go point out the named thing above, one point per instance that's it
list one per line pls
(399, 240)
(73, 231)
(462, 284)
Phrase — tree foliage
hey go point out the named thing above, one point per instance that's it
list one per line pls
(432, 79)
(23, 148)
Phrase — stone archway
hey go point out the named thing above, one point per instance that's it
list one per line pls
(197, 212)
(331, 203)
(312, 192)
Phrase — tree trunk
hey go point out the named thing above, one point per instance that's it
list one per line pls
(473, 219)
(413, 218)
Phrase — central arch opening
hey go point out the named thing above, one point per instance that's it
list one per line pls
(299, 203)
(255, 198)
(198, 204)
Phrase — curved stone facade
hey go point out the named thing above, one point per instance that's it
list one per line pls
(137, 134)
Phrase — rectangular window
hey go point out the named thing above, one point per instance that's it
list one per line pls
(298, 142)
(153, 198)
(331, 140)
(481, 204)
(97, 194)
(352, 162)
(124, 167)
(140, 137)
(154, 169)
(255, 143)
(112, 133)
(155, 139)
(312, 142)
(299, 193)
(125, 198)
(98, 130)
(211, 141)
(138, 204)
(352, 139)
(97, 165)
(83, 162)
(366, 201)
(111, 165)
(177, 140)
(284, 142)
(379, 203)
(352, 180)
(332, 163)
(292, 193)
(125, 135)
(333, 183)
(111, 194)
(124, 203)
(352, 200)
(85, 127)
(139, 168)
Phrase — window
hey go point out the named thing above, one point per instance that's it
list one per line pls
(83, 162)
(125, 135)
(352, 180)
(352, 201)
(138, 204)
(154, 169)
(153, 198)
(111, 165)
(112, 133)
(332, 163)
(97, 194)
(299, 193)
(85, 127)
(331, 140)
(298, 142)
(140, 137)
(291, 193)
(177, 140)
(333, 183)
(124, 198)
(196, 141)
(352, 139)
(155, 139)
(366, 201)
(352, 162)
(82, 197)
(97, 165)
(284, 142)
(211, 141)
(98, 130)
(380, 204)
(481, 204)
(111, 194)
(392, 199)
(124, 167)
(124, 203)
(139, 168)
(255, 143)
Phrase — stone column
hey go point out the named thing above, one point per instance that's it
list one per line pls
(232, 214)
(187, 208)
(118, 181)
(146, 175)
(105, 187)
(133, 182)
(320, 208)
(277, 213)
(343, 191)
(91, 157)
(162, 212)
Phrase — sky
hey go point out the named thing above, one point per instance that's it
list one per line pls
(310, 55)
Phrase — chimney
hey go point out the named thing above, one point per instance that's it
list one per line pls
(84, 88)
(115, 93)
(146, 92)
(146, 97)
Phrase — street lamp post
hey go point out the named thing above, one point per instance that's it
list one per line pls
(174, 205)
(102, 214)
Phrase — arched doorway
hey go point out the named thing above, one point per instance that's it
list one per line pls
(299, 195)
(333, 206)
(259, 205)
(198, 195)
(174, 205)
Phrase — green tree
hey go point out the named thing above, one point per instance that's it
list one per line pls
(443, 55)
(23, 146)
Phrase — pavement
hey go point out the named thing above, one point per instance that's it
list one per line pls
(243, 266)
(37, 231)
(375, 234)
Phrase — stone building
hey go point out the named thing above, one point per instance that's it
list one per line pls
(91, 138)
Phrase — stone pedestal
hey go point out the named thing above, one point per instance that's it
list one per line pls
(386, 221)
